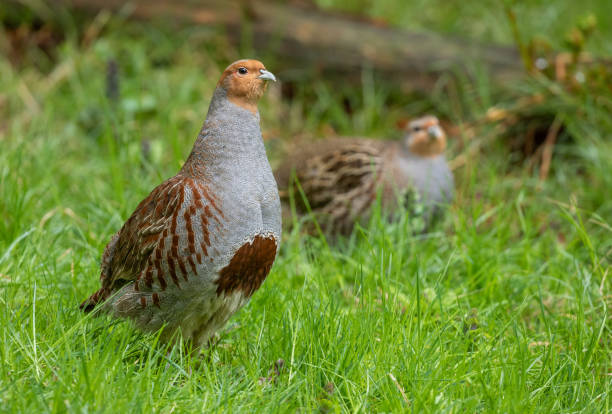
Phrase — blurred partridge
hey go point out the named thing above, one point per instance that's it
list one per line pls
(196, 249)
(341, 177)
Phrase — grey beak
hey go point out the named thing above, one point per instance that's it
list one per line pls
(435, 132)
(265, 75)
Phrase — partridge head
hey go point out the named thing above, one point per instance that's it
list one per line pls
(425, 137)
(202, 242)
(341, 177)
(245, 83)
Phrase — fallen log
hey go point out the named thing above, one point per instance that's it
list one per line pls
(309, 38)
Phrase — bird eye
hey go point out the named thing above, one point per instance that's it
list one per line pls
(243, 71)
(416, 128)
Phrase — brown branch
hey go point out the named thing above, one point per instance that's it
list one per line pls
(548, 146)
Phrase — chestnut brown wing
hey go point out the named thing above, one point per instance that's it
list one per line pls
(141, 234)
(149, 250)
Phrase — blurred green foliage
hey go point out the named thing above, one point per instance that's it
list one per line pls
(503, 306)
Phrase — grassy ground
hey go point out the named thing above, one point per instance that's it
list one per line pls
(502, 307)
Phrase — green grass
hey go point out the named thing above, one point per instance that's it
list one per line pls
(502, 307)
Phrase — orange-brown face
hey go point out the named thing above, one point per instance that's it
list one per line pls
(426, 137)
(245, 82)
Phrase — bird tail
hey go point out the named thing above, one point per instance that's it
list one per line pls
(94, 300)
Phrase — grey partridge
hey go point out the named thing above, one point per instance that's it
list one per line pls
(340, 177)
(194, 251)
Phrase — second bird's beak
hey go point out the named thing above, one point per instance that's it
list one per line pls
(435, 132)
(265, 75)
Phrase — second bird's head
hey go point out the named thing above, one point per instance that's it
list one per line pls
(426, 137)
(244, 82)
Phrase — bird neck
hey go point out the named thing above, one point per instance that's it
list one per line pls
(424, 147)
(229, 135)
(223, 105)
